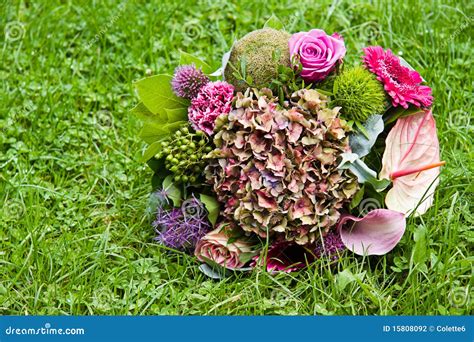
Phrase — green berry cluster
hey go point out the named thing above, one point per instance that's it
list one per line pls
(184, 153)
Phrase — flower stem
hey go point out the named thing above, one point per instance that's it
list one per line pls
(407, 172)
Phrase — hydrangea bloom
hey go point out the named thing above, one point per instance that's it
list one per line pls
(188, 80)
(214, 99)
(275, 169)
(400, 82)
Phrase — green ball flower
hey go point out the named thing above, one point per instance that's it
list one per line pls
(259, 49)
(359, 94)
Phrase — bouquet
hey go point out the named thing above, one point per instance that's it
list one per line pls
(285, 155)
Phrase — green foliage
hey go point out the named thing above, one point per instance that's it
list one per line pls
(399, 112)
(212, 207)
(363, 173)
(156, 94)
(362, 142)
(172, 191)
(359, 94)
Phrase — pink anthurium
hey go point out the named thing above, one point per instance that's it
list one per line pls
(411, 162)
(377, 233)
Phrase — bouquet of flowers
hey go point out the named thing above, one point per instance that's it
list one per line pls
(284, 155)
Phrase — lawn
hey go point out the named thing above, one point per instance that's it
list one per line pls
(74, 237)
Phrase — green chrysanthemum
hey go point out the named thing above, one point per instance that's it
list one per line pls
(259, 49)
(359, 94)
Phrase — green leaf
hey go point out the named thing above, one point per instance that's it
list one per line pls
(160, 172)
(352, 162)
(176, 114)
(420, 249)
(187, 59)
(156, 164)
(361, 129)
(212, 207)
(361, 143)
(398, 112)
(156, 180)
(243, 67)
(156, 94)
(172, 191)
(213, 272)
(357, 198)
(343, 279)
(152, 131)
(151, 150)
(141, 112)
(274, 22)
(324, 92)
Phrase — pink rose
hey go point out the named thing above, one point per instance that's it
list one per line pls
(317, 52)
(215, 246)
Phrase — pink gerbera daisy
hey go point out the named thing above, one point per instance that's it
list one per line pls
(400, 82)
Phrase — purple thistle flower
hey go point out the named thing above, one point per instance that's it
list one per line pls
(181, 228)
(188, 81)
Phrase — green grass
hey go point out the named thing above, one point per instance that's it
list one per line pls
(73, 235)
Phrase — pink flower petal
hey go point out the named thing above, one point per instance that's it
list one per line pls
(411, 144)
(377, 233)
(401, 83)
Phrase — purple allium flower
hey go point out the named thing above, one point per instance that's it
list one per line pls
(181, 228)
(214, 99)
(188, 80)
(332, 246)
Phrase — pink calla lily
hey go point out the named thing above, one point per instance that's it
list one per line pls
(377, 233)
(411, 161)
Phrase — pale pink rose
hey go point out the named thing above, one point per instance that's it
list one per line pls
(317, 52)
(215, 246)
